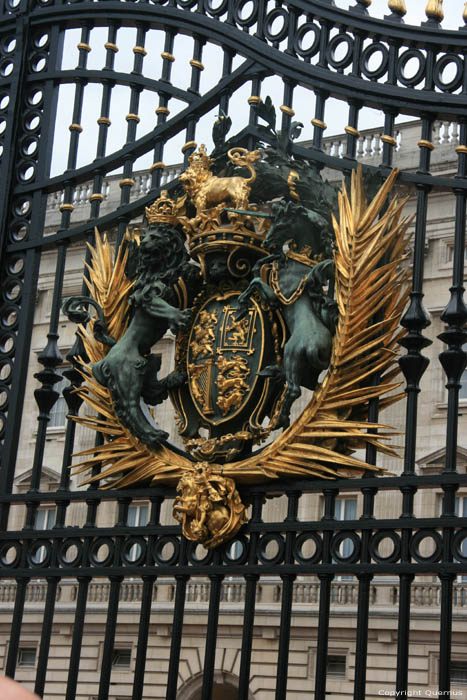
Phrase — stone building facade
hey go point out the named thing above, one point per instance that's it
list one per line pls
(423, 669)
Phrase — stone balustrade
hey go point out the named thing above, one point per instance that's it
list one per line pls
(369, 150)
(305, 593)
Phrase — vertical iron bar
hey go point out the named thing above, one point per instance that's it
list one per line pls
(18, 612)
(46, 633)
(145, 614)
(403, 630)
(110, 628)
(77, 639)
(143, 632)
(324, 598)
(286, 603)
(447, 580)
(250, 604)
(211, 634)
(177, 626)
(364, 589)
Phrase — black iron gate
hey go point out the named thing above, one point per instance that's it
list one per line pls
(309, 54)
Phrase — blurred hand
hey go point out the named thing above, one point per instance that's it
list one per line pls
(10, 690)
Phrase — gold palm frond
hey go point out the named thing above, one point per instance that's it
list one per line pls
(371, 293)
(108, 284)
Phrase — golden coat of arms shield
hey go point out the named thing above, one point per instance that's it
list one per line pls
(271, 281)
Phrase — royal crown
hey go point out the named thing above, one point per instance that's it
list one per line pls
(165, 210)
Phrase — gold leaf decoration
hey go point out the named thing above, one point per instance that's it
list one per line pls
(371, 293)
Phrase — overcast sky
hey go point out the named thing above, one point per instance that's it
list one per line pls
(336, 115)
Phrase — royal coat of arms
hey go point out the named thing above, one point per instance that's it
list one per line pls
(271, 281)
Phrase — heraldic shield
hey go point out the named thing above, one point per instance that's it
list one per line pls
(224, 357)
(271, 281)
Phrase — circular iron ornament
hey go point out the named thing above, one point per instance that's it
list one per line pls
(300, 37)
(376, 540)
(29, 145)
(64, 548)
(35, 98)
(127, 547)
(6, 67)
(262, 546)
(27, 170)
(459, 537)
(4, 101)
(94, 558)
(39, 62)
(270, 19)
(441, 64)
(41, 40)
(193, 557)
(402, 63)
(187, 4)
(241, 559)
(251, 18)
(300, 543)
(6, 553)
(331, 50)
(216, 11)
(7, 344)
(20, 231)
(12, 291)
(32, 120)
(6, 371)
(416, 541)
(16, 265)
(34, 548)
(8, 44)
(10, 317)
(336, 542)
(367, 54)
(158, 550)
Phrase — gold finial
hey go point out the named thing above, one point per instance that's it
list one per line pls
(397, 6)
(434, 10)
(164, 210)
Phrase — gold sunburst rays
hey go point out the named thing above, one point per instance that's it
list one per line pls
(371, 293)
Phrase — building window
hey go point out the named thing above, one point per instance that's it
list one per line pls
(44, 520)
(335, 666)
(459, 672)
(345, 509)
(121, 658)
(450, 255)
(59, 410)
(27, 657)
(138, 516)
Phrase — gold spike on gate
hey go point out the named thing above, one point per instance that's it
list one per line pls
(434, 10)
(397, 6)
